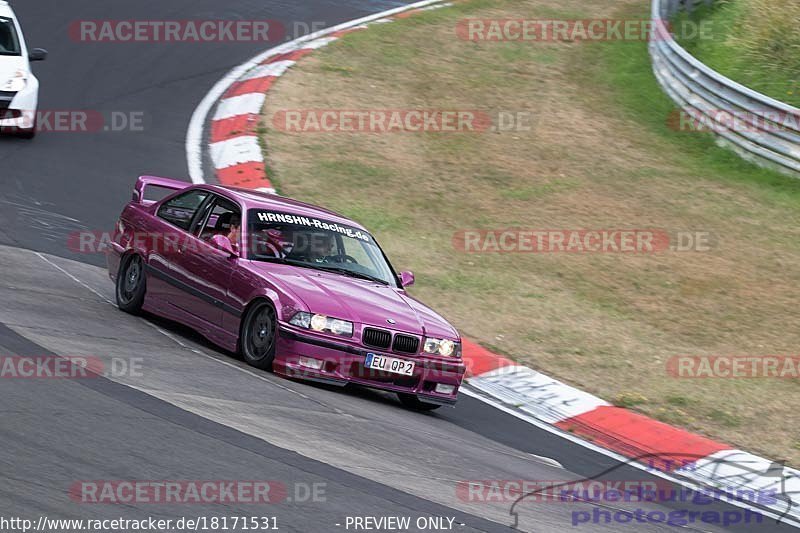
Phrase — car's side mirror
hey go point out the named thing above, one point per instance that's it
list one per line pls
(37, 54)
(222, 243)
(406, 279)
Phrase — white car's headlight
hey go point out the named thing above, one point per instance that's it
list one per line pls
(17, 82)
(443, 347)
(322, 323)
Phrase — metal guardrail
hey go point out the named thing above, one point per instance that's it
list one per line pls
(759, 128)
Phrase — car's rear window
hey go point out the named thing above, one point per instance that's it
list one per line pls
(9, 42)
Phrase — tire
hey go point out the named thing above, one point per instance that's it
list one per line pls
(258, 336)
(412, 402)
(131, 284)
(28, 133)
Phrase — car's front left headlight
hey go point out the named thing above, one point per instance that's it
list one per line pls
(16, 83)
(322, 323)
(443, 347)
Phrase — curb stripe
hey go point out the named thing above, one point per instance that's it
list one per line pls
(294, 55)
(257, 85)
(277, 68)
(240, 105)
(249, 175)
(238, 126)
(635, 435)
(535, 393)
(235, 151)
(319, 43)
(479, 360)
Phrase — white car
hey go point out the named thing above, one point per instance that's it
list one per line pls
(19, 88)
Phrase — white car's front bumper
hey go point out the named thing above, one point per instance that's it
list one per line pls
(26, 102)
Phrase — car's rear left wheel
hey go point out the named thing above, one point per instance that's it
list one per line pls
(131, 284)
(412, 402)
(258, 337)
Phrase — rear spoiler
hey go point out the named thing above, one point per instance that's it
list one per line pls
(146, 181)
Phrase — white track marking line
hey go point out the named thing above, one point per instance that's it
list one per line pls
(73, 278)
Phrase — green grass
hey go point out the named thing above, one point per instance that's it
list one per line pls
(629, 399)
(754, 42)
(626, 66)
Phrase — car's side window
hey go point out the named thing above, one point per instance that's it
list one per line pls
(223, 219)
(181, 210)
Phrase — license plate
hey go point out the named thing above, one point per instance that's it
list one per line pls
(389, 364)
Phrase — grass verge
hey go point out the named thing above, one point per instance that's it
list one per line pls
(754, 42)
(599, 155)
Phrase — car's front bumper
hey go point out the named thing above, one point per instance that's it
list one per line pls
(24, 103)
(343, 363)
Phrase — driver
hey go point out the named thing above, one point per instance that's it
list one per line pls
(320, 247)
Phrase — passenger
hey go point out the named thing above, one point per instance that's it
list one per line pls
(235, 231)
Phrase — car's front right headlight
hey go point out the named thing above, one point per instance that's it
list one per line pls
(443, 347)
(16, 83)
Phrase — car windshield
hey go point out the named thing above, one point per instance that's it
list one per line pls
(316, 243)
(9, 42)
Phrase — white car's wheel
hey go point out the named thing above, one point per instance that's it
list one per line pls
(29, 133)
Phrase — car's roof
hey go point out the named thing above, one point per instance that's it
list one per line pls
(5, 10)
(253, 199)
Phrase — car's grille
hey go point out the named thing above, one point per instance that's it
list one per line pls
(5, 99)
(405, 344)
(377, 338)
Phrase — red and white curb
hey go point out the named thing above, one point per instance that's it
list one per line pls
(234, 148)
(654, 446)
(659, 448)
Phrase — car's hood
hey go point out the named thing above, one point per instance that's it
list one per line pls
(359, 301)
(9, 66)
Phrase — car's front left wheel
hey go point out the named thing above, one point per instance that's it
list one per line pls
(131, 284)
(258, 336)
